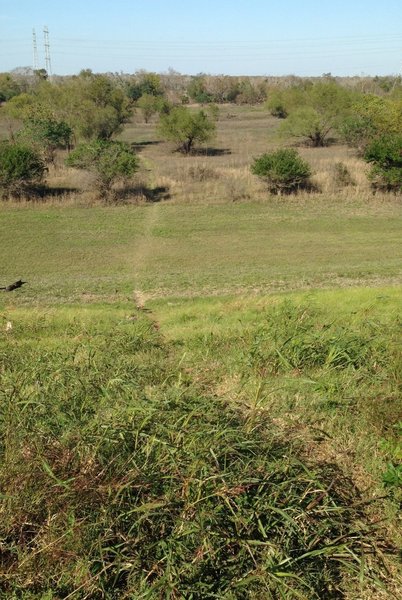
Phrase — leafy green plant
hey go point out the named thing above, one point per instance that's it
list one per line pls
(21, 169)
(392, 447)
(150, 105)
(320, 109)
(186, 128)
(46, 135)
(109, 162)
(385, 154)
(284, 171)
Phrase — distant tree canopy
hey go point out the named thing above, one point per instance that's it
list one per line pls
(9, 87)
(186, 128)
(93, 106)
(145, 83)
(151, 105)
(384, 153)
(223, 88)
(371, 117)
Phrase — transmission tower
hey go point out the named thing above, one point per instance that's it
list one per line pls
(35, 51)
(47, 51)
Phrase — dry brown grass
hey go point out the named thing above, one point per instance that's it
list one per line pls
(223, 167)
(220, 172)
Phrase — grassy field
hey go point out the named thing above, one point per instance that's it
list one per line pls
(169, 250)
(200, 393)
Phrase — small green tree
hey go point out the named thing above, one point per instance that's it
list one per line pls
(21, 169)
(151, 105)
(385, 156)
(371, 117)
(276, 104)
(46, 136)
(145, 83)
(284, 171)
(109, 162)
(186, 128)
(322, 108)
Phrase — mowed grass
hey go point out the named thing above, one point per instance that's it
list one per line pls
(163, 249)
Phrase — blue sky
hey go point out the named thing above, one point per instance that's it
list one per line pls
(235, 37)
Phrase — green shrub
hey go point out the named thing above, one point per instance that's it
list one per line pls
(385, 154)
(284, 171)
(21, 169)
(45, 136)
(186, 128)
(109, 162)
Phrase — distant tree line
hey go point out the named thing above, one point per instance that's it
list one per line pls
(84, 114)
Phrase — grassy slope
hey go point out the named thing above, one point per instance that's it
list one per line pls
(203, 465)
(233, 348)
(175, 250)
(321, 368)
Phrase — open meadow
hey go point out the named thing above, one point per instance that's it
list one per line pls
(200, 384)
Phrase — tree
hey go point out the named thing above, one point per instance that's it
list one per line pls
(94, 106)
(385, 155)
(109, 162)
(197, 89)
(321, 109)
(276, 104)
(145, 83)
(186, 128)
(151, 105)
(371, 117)
(9, 87)
(46, 135)
(284, 171)
(21, 169)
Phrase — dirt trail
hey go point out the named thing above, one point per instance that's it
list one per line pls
(142, 252)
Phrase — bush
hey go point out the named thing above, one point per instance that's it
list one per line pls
(385, 154)
(284, 171)
(45, 136)
(186, 128)
(21, 169)
(110, 162)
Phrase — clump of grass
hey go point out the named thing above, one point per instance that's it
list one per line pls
(202, 173)
(236, 189)
(122, 478)
(292, 337)
(341, 176)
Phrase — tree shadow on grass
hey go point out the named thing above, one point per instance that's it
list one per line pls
(210, 151)
(141, 192)
(44, 192)
(56, 192)
(139, 146)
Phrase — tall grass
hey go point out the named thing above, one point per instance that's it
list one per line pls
(122, 477)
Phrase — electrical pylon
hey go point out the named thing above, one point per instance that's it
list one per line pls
(47, 51)
(35, 64)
